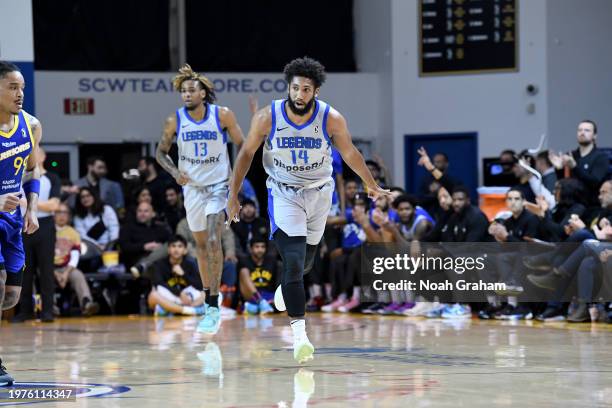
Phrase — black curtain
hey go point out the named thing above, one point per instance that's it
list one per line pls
(263, 35)
(110, 35)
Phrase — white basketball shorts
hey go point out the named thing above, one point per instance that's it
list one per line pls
(299, 212)
(203, 201)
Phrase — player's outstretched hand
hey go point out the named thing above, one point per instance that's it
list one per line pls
(232, 210)
(30, 222)
(182, 178)
(376, 191)
(8, 202)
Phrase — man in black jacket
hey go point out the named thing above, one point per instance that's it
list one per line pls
(142, 236)
(587, 163)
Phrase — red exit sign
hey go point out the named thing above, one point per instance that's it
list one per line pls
(78, 106)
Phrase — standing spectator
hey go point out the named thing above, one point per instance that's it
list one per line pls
(258, 277)
(174, 211)
(39, 248)
(94, 220)
(109, 191)
(177, 287)
(67, 253)
(438, 173)
(153, 181)
(544, 166)
(587, 163)
(249, 226)
(141, 240)
(529, 185)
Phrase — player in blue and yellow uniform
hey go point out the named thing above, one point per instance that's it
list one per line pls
(20, 135)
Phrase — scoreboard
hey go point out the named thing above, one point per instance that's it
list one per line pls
(467, 36)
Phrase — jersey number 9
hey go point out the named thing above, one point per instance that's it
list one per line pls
(19, 163)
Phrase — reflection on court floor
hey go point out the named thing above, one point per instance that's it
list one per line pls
(359, 361)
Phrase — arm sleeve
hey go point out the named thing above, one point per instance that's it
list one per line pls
(56, 185)
(539, 189)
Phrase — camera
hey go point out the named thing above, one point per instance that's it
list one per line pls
(532, 89)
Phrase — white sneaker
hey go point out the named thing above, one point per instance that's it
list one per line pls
(302, 349)
(279, 302)
(418, 309)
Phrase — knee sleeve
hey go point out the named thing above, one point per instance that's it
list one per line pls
(293, 252)
(311, 252)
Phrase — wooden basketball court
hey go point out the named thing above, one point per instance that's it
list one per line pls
(150, 362)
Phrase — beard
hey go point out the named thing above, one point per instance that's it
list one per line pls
(585, 143)
(298, 111)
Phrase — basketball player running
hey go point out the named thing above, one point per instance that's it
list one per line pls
(20, 134)
(298, 133)
(202, 129)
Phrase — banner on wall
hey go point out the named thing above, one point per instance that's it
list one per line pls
(115, 107)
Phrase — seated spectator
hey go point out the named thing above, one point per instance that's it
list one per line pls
(248, 192)
(530, 185)
(155, 181)
(109, 191)
(174, 211)
(506, 178)
(545, 167)
(249, 226)
(141, 195)
(96, 223)
(379, 171)
(67, 253)
(259, 278)
(141, 240)
(177, 287)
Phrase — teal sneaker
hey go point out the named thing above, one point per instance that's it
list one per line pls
(211, 322)
(264, 307)
(251, 308)
(160, 311)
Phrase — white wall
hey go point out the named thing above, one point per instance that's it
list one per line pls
(135, 106)
(16, 34)
(579, 69)
(494, 105)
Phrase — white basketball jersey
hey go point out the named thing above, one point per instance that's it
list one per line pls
(298, 155)
(202, 149)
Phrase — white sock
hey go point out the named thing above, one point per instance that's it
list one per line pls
(513, 301)
(316, 290)
(356, 293)
(298, 326)
(189, 310)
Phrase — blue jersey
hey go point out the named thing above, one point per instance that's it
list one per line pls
(15, 148)
(352, 233)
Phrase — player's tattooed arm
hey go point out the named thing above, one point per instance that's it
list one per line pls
(341, 137)
(261, 123)
(163, 148)
(230, 125)
(32, 172)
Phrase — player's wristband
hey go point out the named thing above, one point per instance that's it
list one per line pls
(32, 186)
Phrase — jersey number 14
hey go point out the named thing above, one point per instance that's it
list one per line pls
(302, 154)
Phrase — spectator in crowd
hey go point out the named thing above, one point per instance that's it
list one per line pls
(174, 211)
(67, 254)
(438, 177)
(530, 185)
(248, 191)
(95, 221)
(141, 240)
(109, 191)
(153, 181)
(506, 178)
(545, 167)
(250, 225)
(587, 163)
(259, 277)
(177, 287)
(379, 171)
(521, 226)
(39, 248)
(344, 268)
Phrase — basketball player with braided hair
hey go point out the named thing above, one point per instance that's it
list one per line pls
(298, 133)
(202, 130)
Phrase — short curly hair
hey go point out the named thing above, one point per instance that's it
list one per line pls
(186, 73)
(305, 67)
